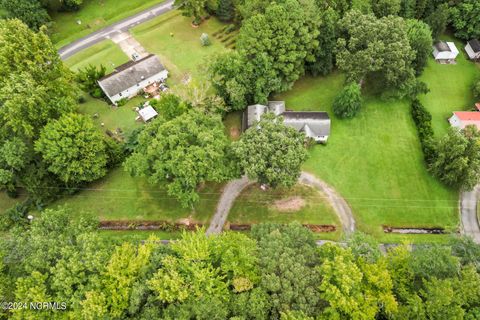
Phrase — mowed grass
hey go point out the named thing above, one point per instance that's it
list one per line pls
(177, 43)
(450, 88)
(121, 197)
(6, 202)
(94, 15)
(255, 206)
(374, 161)
(104, 53)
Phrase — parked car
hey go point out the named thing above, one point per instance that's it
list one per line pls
(135, 56)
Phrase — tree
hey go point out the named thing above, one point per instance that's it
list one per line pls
(407, 9)
(170, 106)
(88, 77)
(348, 102)
(285, 36)
(378, 48)
(192, 8)
(73, 149)
(29, 11)
(226, 10)
(383, 8)
(205, 40)
(420, 39)
(271, 152)
(457, 161)
(182, 153)
(437, 20)
(465, 18)
(14, 155)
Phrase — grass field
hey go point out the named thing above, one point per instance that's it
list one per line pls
(106, 52)
(257, 206)
(94, 15)
(121, 197)
(138, 235)
(450, 88)
(172, 38)
(375, 162)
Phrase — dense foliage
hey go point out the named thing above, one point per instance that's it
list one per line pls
(278, 272)
(348, 102)
(423, 122)
(182, 153)
(30, 12)
(270, 152)
(88, 77)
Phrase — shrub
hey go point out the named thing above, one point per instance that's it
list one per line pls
(122, 102)
(205, 40)
(423, 122)
(15, 216)
(348, 102)
(88, 77)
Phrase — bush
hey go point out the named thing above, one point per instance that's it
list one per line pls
(15, 216)
(205, 40)
(348, 102)
(423, 122)
(122, 102)
(88, 77)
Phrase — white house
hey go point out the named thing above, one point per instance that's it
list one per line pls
(473, 49)
(461, 119)
(445, 52)
(314, 124)
(130, 78)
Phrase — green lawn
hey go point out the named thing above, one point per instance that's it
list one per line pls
(106, 52)
(256, 206)
(94, 15)
(177, 43)
(121, 197)
(6, 202)
(138, 235)
(450, 88)
(375, 162)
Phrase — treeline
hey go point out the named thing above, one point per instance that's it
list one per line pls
(275, 272)
(35, 13)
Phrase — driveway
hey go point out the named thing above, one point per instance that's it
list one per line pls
(129, 44)
(468, 209)
(115, 29)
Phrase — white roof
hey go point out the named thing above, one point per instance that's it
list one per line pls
(453, 48)
(147, 113)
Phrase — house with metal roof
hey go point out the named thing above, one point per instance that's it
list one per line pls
(314, 124)
(445, 52)
(473, 49)
(129, 79)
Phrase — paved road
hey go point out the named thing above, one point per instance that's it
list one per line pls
(235, 187)
(468, 208)
(112, 30)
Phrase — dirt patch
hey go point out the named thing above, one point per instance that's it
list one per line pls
(316, 228)
(186, 221)
(234, 133)
(388, 229)
(290, 204)
(147, 225)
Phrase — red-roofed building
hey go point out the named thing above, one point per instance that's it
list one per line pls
(461, 119)
(477, 106)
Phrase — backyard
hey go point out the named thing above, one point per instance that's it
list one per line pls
(93, 15)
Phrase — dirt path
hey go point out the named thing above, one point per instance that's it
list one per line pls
(235, 187)
(468, 209)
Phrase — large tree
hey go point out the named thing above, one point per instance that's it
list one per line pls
(192, 8)
(383, 8)
(465, 18)
(420, 39)
(348, 102)
(457, 160)
(376, 48)
(271, 152)
(73, 149)
(182, 153)
(285, 35)
(29, 11)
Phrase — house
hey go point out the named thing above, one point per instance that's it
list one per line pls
(314, 124)
(461, 119)
(132, 77)
(473, 49)
(445, 52)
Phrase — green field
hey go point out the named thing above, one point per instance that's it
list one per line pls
(301, 203)
(94, 15)
(375, 162)
(121, 197)
(177, 43)
(450, 88)
(104, 53)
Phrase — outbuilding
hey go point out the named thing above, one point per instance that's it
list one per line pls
(473, 49)
(461, 119)
(445, 52)
(131, 78)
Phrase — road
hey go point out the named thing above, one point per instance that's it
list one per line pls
(468, 208)
(116, 28)
(235, 187)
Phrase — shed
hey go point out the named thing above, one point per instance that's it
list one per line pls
(445, 52)
(147, 113)
(473, 49)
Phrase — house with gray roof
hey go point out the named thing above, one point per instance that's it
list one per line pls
(314, 124)
(473, 49)
(445, 52)
(129, 79)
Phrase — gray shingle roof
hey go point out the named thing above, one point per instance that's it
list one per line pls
(442, 46)
(129, 74)
(475, 45)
